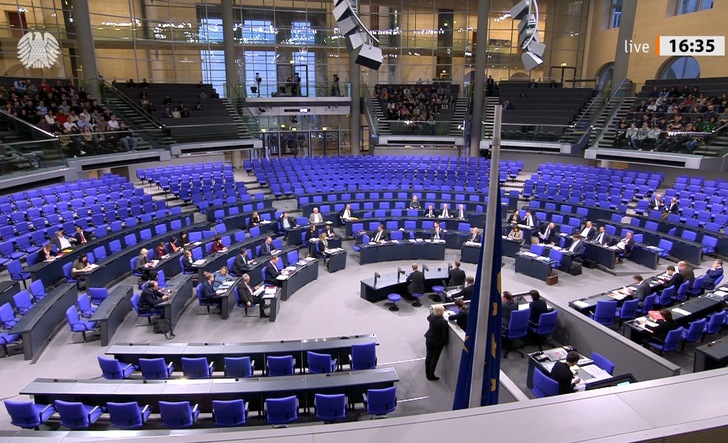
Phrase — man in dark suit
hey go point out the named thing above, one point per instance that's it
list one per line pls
(547, 234)
(673, 278)
(379, 235)
(461, 213)
(82, 236)
(150, 297)
(642, 288)
(267, 247)
(625, 245)
(673, 207)
(588, 232)
(457, 275)
(414, 204)
(445, 211)
(602, 238)
(346, 214)
(537, 306)
(241, 263)
(515, 218)
(287, 222)
(529, 220)
(687, 272)
(61, 242)
(248, 299)
(46, 253)
(474, 236)
(577, 246)
(508, 305)
(430, 213)
(461, 318)
(561, 373)
(657, 203)
(437, 232)
(416, 281)
(712, 274)
(467, 292)
(271, 272)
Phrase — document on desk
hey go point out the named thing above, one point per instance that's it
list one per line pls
(282, 277)
(199, 262)
(596, 372)
(555, 354)
(92, 266)
(580, 304)
(681, 311)
(259, 290)
(270, 293)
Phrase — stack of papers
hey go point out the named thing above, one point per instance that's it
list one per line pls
(680, 311)
(580, 304)
(93, 266)
(199, 262)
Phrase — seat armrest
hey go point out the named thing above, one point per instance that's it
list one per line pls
(195, 408)
(145, 409)
(364, 395)
(132, 365)
(212, 367)
(50, 406)
(90, 413)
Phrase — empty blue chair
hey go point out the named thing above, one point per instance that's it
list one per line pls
(715, 323)
(113, 369)
(28, 415)
(97, 295)
(665, 298)
(649, 304)
(694, 333)
(683, 291)
(381, 401)
(7, 316)
(320, 363)
(517, 329)
(15, 269)
(697, 288)
(22, 301)
(545, 327)
(155, 368)
(37, 289)
(84, 306)
(603, 362)
(128, 415)
(628, 310)
(78, 325)
(281, 411)
(605, 312)
(543, 385)
(7, 338)
(76, 415)
(671, 343)
(280, 365)
(665, 246)
(197, 367)
(239, 367)
(330, 408)
(363, 356)
(178, 414)
(229, 412)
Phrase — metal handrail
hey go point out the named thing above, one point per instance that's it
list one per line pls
(238, 102)
(27, 125)
(141, 111)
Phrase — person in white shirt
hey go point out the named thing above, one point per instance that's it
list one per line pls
(529, 220)
(346, 215)
(602, 238)
(588, 232)
(61, 242)
(315, 217)
(577, 246)
(461, 212)
(437, 233)
(113, 123)
(445, 212)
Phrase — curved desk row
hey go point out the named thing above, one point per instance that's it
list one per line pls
(404, 250)
(470, 252)
(587, 305)
(242, 221)
(8, 288)
(244, 208)
(182, 295)
(337, 347)
(112, 311)
(376, 289)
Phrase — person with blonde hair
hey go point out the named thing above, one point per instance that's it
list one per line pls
(435, 340)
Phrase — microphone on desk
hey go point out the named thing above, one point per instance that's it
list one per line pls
(400, 271)
(376, 276)
(425, 268)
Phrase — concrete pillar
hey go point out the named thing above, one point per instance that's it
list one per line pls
(86, 51)
(476, 121)
(228, 36)
(626, 31)
(355, 78)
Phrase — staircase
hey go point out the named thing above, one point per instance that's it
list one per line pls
(457, 124)
(381, 117)
(489, 116)
(581, 122)
(243, 132)
(150, 134)
(607, 138)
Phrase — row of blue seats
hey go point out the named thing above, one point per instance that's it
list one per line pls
(690, 217)
(697, 199)
(106, 183)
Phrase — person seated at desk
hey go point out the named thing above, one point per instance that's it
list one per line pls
(150, 297)
(437, 232)
(160, 252)
(474, 236)
(221, 276)
(208, 293)
(516, 234)
(623, 246)
(665, 323)
(577, 246)
(672, 208)
(241, 263)
(642, 289)
(217, 245)
(379, 236)
(415, 203)
(46, 253)
(529, 220)
(255, 219)
(602, 238)
(515, 218)
(184, 239)
(537, 306)
(547, 234)
(346, 215)
(457, 275)
(588, 232)
(329, 232)
(187, 262)
(172, 245)
(142, 264)
(286, 222)
(461, 318)
(445, 212)
(81, 265)
(272, 272)
(508, 305)
(461, 213)
(311, 234)
(467, 292)
(712, 274)
(323, 243)
(657, 203)
(81, 236)
(686, 271)
(315, 217)
(61, 242)
(415, 281)
(430, 213)
(671, 279)
(562, 374)
(267, 247)
(248, 297)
